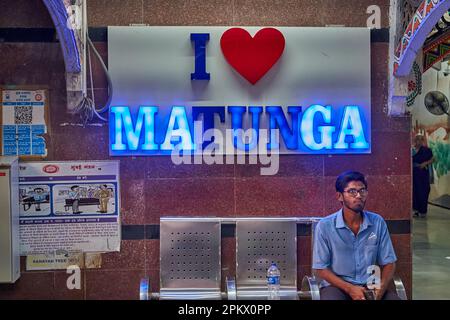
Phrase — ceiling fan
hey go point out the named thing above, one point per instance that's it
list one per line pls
(436, 103)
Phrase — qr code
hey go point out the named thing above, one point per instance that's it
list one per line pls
(23, 115)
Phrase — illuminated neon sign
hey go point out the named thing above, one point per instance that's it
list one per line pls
(239, 79)
(316, 130)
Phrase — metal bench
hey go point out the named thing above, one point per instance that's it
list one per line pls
(27, 202)
(260, 242)
(190, 258)
(82, 202)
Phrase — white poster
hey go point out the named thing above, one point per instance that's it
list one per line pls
(69, 206)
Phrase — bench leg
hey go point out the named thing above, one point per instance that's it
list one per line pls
(310, 288)
(400, 288)
(231, 288)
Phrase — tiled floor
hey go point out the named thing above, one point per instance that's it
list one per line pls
(431, 255)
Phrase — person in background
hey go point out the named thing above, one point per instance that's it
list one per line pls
(422, 158)
(349, 243)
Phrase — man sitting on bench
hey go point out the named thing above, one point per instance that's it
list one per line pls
(348, 242)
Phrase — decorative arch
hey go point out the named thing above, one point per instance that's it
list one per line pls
(436, 50)
(427, 15)
(68, 37)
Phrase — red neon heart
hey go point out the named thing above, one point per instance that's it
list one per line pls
(252, 57)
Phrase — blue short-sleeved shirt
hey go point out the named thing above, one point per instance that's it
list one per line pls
(348, 256)
(40, 197)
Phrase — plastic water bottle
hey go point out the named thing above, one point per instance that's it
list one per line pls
(143, 292)
(273, 282)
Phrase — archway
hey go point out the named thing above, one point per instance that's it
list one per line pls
(68, 38)
(423, 21)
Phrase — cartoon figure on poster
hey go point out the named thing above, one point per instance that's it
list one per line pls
(35, 200)
(74, 196)
(104, 194)
(86, 199)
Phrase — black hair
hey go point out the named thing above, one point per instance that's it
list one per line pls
(38, 188)
(346, 177)
(73, 187)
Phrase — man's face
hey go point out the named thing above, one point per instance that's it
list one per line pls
(354, 202)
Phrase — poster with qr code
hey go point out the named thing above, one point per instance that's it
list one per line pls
(23, 122)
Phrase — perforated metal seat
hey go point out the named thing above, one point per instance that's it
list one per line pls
(190, 258)
(259, 242)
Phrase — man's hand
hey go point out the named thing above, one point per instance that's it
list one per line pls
(379, 293)
(356, 292)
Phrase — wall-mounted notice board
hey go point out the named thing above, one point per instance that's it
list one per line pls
(24, 120)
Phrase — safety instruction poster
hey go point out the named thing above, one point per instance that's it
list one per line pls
(69, 206)
(23, 122)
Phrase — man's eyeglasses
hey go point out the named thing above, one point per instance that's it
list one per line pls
(354, 192)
